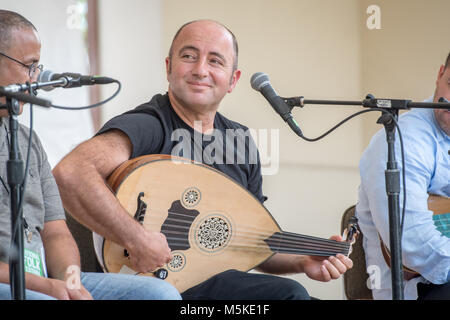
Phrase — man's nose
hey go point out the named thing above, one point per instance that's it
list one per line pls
(200, 68)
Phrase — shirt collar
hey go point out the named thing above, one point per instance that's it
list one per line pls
(440, 132)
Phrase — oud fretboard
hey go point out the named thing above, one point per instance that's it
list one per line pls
(287, 242)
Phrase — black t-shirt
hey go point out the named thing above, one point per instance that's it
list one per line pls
(155, 128)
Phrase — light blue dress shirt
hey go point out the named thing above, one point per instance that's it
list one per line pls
(427, 165)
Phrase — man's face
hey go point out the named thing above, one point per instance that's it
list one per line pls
(200, 71)
(443, 90)
(25, 47)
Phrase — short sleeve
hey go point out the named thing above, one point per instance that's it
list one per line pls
(144, 131)
(53, 206)
(255, 179)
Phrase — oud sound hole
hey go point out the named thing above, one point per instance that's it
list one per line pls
(191, 197)
(213, 233)
(178, 261)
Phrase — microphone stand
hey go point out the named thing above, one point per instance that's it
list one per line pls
(15, 167)
(392, 180)
(392, 173)
(15, 176)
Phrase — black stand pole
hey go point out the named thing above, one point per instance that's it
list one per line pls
(15, 178)
(392, 176)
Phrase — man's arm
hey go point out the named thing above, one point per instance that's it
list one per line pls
(61, 250)
(32, 282)
(424, 249)
(62, 256)
(51, 287)
(81, 179)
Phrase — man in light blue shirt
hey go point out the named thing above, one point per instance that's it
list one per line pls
(426, 138)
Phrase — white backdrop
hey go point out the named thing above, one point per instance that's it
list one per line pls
(320, 49)
(63, 50)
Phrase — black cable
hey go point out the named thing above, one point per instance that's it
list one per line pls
(93, 105)
(30, 138)
(31, 91)
(22, 190)
(24, 182)
(401, 148)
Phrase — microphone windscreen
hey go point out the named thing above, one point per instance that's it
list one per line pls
(45, 76)
(259, 80)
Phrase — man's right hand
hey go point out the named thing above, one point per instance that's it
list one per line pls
(81, 179)
(149, 252)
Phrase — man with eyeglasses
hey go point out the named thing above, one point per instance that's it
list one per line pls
(32, 68)
(51, 257)
(19, 63)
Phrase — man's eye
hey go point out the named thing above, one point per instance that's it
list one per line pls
(216, 61)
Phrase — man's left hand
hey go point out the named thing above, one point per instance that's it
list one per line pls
(324, 269)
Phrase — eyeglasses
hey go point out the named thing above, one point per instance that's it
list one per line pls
(31, 68)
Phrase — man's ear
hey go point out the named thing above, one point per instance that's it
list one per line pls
(234, 80)
(168, 66)
(441, 72)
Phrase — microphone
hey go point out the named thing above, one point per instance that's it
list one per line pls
(47, 80)
(70, 80)
(260, 82)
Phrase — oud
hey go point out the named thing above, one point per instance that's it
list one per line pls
(211, 223)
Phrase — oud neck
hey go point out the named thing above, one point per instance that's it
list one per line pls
(292, 243)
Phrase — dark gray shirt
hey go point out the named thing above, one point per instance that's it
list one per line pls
(42, 202)
(155, 128)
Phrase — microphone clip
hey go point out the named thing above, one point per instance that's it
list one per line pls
(75, 80)
(294, 102)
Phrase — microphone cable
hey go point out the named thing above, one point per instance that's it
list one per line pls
(30, 139)
(95, 104)
(300, 134)
(15, 227)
